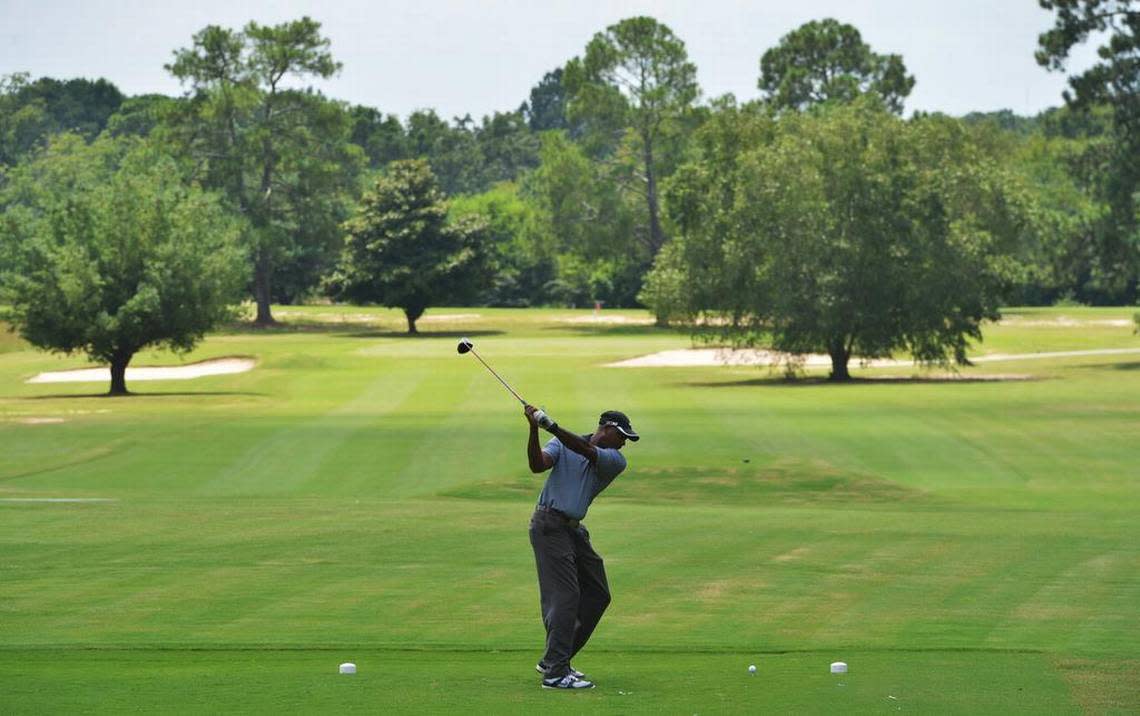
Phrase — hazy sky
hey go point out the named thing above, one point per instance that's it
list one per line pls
(479, 56)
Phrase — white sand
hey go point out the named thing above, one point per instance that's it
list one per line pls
(221, 366)
(695, 357)
(1064, 322)
(691, 357)
(608, 319)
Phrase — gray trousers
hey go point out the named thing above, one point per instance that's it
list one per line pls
(572, 587)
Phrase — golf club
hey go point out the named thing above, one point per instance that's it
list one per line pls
(466, 346)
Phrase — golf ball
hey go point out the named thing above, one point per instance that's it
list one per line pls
(751, 668)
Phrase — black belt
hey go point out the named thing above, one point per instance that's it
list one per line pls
(558, 513)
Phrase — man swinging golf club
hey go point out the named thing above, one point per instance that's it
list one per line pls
(571, 576)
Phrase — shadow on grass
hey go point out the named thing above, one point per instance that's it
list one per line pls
(422, 334)
(345, 329)
(779, 381)
(1095, 367)
(627, 329)
(131, 394)
(784, 482)
(251, 329)
(613, 329)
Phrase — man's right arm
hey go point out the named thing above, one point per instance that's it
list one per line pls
(538, 458)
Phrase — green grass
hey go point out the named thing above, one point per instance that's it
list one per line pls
(466, 682)
(9, 341)
(967, 547)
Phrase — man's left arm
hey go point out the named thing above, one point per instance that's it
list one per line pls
(574, 442)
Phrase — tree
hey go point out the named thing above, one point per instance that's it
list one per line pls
(140, 115)
(279, 155)
(31, 111)
(848, 232)
(636, 74)
(1113, 82)
(522, 261)
(401, 252)
(827, 61)
(546, 107)
(451, 150)
(664, 290)
(77, 105)
(23, 124)
(1007, 121)
(380, 136)
(582, 213)
(110, 251)
(508, 148)
(711, 270)
(1060, 263)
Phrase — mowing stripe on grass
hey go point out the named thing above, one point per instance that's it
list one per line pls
(58, 499)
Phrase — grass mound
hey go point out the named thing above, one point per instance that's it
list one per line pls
(788, 482)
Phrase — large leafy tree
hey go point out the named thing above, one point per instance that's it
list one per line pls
(452, 150)
(1114, 81)
(1059, 262)
(76, 105)
(22, 124)
(140, 115)
(31, 111)
(636, 76)
(522, 261)
(585, 220)
(691, 276)
(507, 146)
(402, 252)
(281, 156)
(108, 250)
(545, 109)
(825, 61)
(847, 232)
(466, 158)
(380, 136)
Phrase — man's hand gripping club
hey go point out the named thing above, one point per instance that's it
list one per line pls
(539, 418)
(539, 460)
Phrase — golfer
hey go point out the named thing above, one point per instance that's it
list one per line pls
(571, 577)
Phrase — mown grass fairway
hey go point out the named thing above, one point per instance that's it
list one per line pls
(966, 546)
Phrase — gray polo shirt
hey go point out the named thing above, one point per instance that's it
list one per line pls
(573, 482)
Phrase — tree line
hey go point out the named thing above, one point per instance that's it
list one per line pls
(814, 217)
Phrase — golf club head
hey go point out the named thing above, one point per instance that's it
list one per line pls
(464, 346)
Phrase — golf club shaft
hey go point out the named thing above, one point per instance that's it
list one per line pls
(519, 397)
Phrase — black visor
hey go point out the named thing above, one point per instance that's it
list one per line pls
(619, 420)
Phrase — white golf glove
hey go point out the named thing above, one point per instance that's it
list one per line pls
(544, 421)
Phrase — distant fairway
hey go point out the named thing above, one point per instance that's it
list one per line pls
(966, 546)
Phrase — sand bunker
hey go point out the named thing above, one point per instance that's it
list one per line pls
(1064, 322)
(610, 320)
(220, 366)
(693, 357)
(697, 357)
